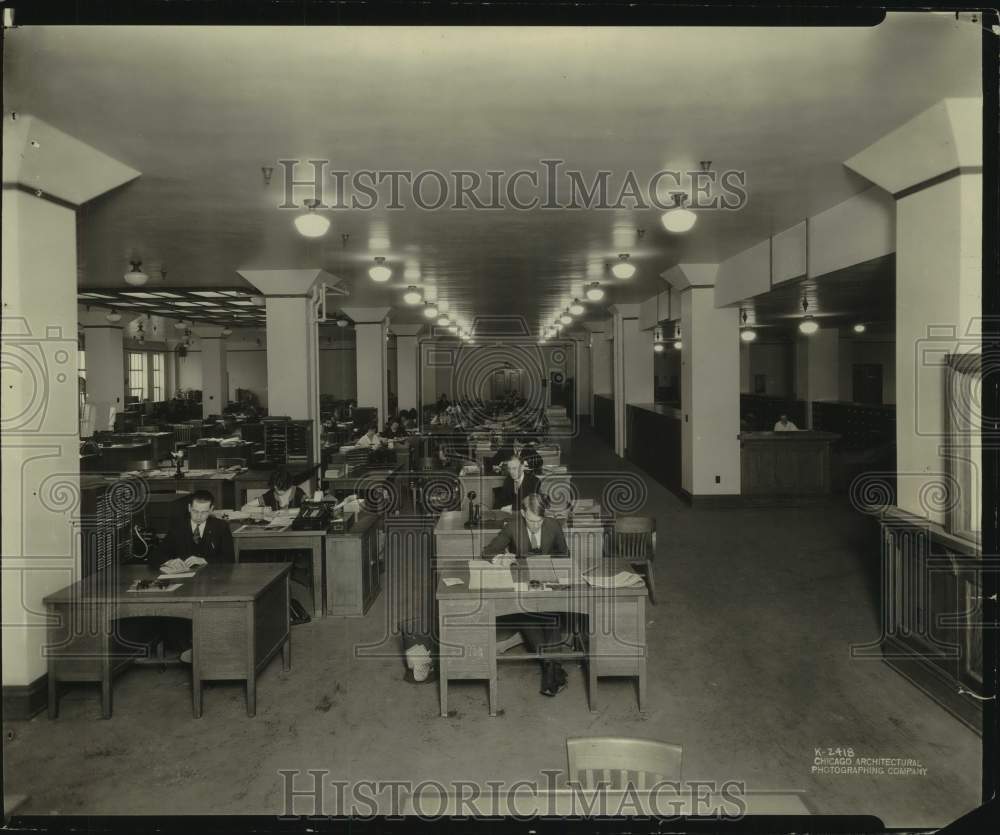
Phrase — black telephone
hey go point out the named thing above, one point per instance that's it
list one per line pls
(313, 516)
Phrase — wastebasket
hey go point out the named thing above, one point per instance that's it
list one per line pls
(419, 650)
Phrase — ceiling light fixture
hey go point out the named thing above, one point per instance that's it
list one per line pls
(808, 325)
(747, 334)
(380, 272)
(227, 332)
(430, 310)
(859, 328)
(114, 316)
(412, 295)
(135, 276)
(342, 322)
(679, 218)
(623, 269)
(594, 292)
(566, 319)
(310, 224)
(576, 308)
(444, 321)
(658, 347)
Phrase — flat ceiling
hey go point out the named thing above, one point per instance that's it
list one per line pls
(200, 111)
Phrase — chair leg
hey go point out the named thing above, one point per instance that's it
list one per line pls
(649, 582)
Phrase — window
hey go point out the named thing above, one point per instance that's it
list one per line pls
(159, 382)
(138, 384)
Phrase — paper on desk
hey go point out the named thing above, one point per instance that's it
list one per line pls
(180, 575)
(452, 581)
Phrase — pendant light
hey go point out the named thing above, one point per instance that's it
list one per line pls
(623, 269)
(114, 316)
(135, 276)
(859, 328)
(678, 219)
(576, 308)
(566, 319)
(412, 295)
(310, 224)
(747, 334)
(430, 310)
(380, 272)
(808, 325)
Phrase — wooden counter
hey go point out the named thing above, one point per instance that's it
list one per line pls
(785, 463)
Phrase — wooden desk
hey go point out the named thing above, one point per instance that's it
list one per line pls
(248, 541)
(204, 456)
(361, 481)
(238, 613)
(121, 457)
(467, 625)
(353, 567)
(785, 463)
(220, 484)
(453, 541)
(557, 486)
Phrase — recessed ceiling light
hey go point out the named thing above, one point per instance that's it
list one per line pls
(412, 295)
(380, 272)
(623, 269)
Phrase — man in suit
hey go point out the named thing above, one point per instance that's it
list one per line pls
(198, 534)
(518, 484)
(531, 532)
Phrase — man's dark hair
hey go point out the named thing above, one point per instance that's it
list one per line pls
(201, 496)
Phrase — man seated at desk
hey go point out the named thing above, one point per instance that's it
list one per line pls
(785, 425)
(531, 532)
(518, 484)
(281, 494)
(522, 449)
(198, 534)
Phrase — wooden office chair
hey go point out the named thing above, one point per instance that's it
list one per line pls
(633, 540)
(619, 760)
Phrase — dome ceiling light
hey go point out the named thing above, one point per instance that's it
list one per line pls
(135, 277)
(623, 269)
(310, 224)
(380, 272)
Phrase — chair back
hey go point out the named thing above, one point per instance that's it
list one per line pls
(618, 761)
(632, 536)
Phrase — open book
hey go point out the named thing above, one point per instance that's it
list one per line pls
(178, 567)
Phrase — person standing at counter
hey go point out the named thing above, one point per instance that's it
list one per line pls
(785, 425)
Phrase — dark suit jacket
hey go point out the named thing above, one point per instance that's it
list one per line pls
(513, 536)
(269, 500)
(506, 494)
(216, 544)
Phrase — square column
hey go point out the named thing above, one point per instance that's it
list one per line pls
(632, 375)
(407, 365)
(371, 327)
(710, 395)
(105, 352)
(214, 375)
(818, 368)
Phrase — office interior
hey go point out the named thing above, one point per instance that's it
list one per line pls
(169, 326)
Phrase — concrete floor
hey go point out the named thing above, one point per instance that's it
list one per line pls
(749, 669)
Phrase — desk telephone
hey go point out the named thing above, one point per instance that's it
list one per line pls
(313, 516)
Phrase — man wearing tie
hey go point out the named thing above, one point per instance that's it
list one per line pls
(199, 534)
(518, 484)
(531, 532)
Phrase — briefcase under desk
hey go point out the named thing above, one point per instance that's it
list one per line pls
(467, 626)
(238, 614)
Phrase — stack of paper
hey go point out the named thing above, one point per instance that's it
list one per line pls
(602, 578)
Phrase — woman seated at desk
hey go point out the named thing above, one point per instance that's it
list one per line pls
(371, 438)
(531, 532)
(394, 429)
(281, 495)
